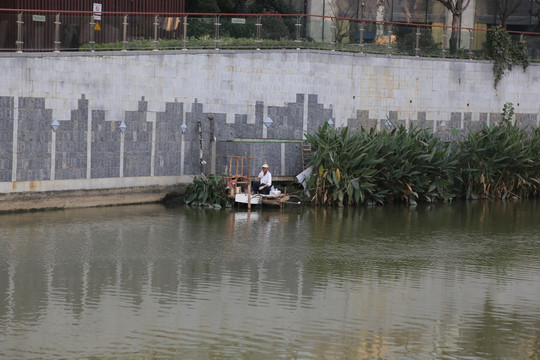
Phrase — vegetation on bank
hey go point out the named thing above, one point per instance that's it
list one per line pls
(410, 165)
(499, 162)
(194, 43)
(505, 53)
(367, 166)
(207, 190)
(405, 45)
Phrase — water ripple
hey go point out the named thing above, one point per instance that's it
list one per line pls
(154, 282)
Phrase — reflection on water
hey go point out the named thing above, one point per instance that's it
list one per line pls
(450, 282)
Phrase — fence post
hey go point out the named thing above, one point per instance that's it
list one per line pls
(185, 32)
(333, 28)
(444, 38)
(92, 33)
(57, 33)
(298, 26)
(216, 34)
(471, 43)
(417, 49)
(124, 33)
(19, 41)
(361, 42)
(156, 24)
(258, 36)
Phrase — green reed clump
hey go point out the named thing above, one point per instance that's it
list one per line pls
(409, 165)
(500, 161)
(401, 165)
(344, 166)
(416, 166)
(209, 189)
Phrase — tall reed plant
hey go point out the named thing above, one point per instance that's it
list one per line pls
(207, 190)
(407, 165)
(401, 165)
(500, 161)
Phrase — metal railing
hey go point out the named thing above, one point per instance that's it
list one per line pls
(49, 30)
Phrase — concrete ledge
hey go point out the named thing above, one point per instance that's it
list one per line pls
(29, 201)
(92, 184)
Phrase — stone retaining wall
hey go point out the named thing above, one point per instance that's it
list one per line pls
(232, 94)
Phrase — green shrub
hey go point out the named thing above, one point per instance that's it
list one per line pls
(499, 162)
(409, 165)
(504, 52)
(201, 27)
(209, 189)
(508, 112)
(417, 166)
(205, 42)
(401, 165)
(406, 40)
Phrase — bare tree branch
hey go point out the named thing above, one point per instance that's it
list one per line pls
(345, 9)
(456, 7)
(505, 8)
(537, 12)
(410, 7)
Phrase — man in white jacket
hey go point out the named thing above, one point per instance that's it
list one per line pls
(264, 184)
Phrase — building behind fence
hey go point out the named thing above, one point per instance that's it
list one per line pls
(75, 27)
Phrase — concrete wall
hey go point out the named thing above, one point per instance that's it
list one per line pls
(155, 93)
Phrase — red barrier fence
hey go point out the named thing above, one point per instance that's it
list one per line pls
(164, 6)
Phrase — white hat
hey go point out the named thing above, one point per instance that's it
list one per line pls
(265, 166)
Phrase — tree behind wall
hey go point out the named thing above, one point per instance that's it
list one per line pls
(273, 28)
(412, 10)
(344, 9)
(505, 8)
(276, 6)
(202, 6)
(381, 4)
(456, 7)
(536, 13)
(240, 6)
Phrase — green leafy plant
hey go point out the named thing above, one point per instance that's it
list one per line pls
(397, 165)
(207, 42)
(500, 162)
(504, 52)
(338, 176)
(208, 189)
(418, 166)
(508, 112)
(411, 165)
(406, 40)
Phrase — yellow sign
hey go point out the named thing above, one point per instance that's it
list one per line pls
(97, 27)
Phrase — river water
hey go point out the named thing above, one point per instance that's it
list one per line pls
(459, 281)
